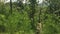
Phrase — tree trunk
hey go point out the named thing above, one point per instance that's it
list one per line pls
(39, 24)
(11, 6)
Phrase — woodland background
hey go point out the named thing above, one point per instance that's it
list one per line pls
(33, 18)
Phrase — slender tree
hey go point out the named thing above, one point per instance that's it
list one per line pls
(32, 13)
(11, 6)
(39, 24)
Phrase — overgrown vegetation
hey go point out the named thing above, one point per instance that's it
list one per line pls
(33, 18)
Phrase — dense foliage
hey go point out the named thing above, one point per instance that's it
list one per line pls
(33, 18)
